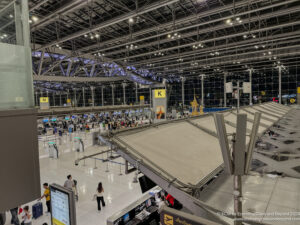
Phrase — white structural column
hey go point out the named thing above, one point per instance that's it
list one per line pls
(53, 98)
(113, 93)
(47, 93)
(68, 93)
(83, 96)
(18, 23)
(250, 80)
(182, 90)
(75, 98)
(136, 93)
(36, 98)
(225, 94)
(124, 93)
(102, 95)
(202, 89)
(150, 96)
(93, 95)
(60, 100)
(279, 82)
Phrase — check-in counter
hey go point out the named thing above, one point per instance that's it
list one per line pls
(141, 212)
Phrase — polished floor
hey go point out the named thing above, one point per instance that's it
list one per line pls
(119, 189)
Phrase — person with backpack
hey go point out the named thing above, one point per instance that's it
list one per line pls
(99, 196)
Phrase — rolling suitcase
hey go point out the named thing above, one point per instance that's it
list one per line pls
(37, 210)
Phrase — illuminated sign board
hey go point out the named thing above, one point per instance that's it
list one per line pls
(44, 99)
(62, 206)
(160, 93)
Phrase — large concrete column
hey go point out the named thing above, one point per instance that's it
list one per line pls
(124, 93)
(279, 83)
(250, 80)
(225, 94)
(83, 96)
(182, 91)
(102, 96)
(202, 89)
(93, 95)
(113, 93)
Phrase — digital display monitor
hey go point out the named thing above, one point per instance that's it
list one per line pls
(53, 119)
(146, 184)
(67, 118)
(85, 116)
(148, 203)
(126, 218)
(45, 120)
(74, 117)
(60, 207)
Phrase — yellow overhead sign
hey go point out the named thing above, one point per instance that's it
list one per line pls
(298, 91)
(142, 97)
(160, 93)
(44, 99)
(68, 100)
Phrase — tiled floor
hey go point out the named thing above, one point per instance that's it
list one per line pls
(119, 190)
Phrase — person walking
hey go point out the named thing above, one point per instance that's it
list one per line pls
(46, 195)
(26, 216)
(69, 183)
(100, 197)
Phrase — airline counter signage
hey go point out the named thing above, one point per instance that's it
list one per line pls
(160, 93)
(44, 99)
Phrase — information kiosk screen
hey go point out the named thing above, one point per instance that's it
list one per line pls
(60, 207)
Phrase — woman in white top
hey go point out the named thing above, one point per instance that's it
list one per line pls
(26, 217)
(99, 194)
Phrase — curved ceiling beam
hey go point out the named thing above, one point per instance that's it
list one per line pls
(110, 22)
(77, 79)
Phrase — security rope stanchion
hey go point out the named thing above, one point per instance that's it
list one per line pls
(120, 174)
(95, 167)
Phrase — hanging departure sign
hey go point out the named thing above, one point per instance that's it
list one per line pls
(44, 99)
(44, 103)
(160, 93)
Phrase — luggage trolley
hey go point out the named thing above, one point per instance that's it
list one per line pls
(53, 150)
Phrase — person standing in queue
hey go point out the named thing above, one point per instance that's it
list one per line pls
(46, 195)
(26, 216)
(100, 197)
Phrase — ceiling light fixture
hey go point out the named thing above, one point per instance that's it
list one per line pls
(34, 18)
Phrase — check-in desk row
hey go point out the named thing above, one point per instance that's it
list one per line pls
(141, 212)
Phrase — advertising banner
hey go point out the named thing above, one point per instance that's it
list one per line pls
(159, 105)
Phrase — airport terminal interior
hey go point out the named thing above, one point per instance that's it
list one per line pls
(149, 112)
